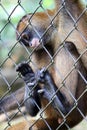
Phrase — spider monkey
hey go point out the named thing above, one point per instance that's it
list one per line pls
(35, 100)
(75, 45)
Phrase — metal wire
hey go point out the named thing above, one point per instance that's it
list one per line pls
(8, 76)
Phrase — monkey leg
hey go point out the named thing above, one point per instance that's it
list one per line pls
(10, 103)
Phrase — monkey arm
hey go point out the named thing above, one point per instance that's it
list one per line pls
(51, 92)
(31, 98)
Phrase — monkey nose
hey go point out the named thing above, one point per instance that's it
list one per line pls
(35, 42)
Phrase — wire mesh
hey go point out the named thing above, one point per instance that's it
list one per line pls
(12, 109)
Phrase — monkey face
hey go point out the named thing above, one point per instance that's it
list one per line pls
(29, 38)
(32, 35)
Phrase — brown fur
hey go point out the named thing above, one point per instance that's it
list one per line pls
(62, 61)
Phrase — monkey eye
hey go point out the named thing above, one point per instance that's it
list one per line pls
(25, 39)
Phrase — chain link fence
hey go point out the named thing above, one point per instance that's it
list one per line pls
(12, 53)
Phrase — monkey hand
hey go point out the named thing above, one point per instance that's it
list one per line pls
(27, 72)
(43, 76)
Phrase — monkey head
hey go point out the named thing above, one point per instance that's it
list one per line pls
(34, 33)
